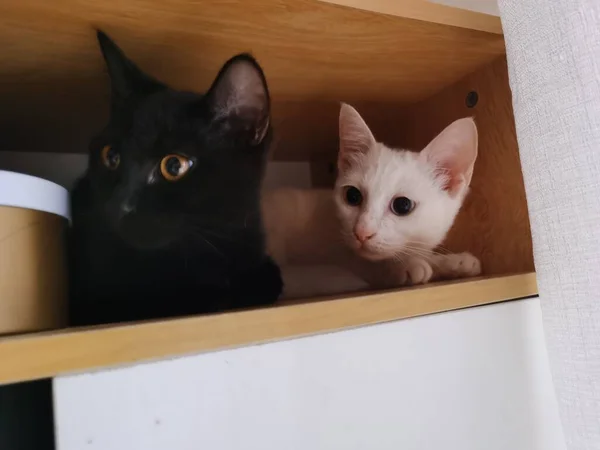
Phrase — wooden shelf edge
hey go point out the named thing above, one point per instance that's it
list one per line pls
(53, 353)
(428, 12)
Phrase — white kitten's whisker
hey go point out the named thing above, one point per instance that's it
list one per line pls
(423, 252)
(417, 250)
(403, 253)
(438, 250)
(422, 244)
(399, 258)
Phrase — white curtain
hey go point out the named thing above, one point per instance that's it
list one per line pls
(553, 49)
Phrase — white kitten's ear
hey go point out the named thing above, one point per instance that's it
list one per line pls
(355, 137)
(453, 153)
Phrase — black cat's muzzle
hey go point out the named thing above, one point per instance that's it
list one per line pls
(145, 232)
(141, 230)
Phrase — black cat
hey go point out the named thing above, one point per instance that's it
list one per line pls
(166, 220)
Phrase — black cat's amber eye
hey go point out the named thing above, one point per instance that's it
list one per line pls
(174, 167)
(352, 196)
(110, 157)
(401, 206)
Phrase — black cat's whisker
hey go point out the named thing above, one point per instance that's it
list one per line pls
(214, 247)
(213, 225)
(213, 231)
(229, 239)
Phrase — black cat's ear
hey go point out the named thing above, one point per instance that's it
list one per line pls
(240, 96)
(127, 80)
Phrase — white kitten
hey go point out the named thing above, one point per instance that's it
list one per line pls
(397, 204)
(389, 210)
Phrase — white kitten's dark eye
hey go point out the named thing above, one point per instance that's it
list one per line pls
(401, 206)
(352, 196)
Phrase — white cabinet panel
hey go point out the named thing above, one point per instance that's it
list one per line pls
(467, 380)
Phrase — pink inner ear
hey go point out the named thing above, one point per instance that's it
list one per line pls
(453, 153)
(355, 137)
(450, 181)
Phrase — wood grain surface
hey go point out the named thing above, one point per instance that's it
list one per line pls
(429, 12)
(50, 354)
(53, 90)
(494, 221)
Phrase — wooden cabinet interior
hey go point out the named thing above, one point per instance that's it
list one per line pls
(315, 54)
(493, 223)
(406, 66)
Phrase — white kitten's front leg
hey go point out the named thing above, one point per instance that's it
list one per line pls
(391, 274)
(415, 271)
(456, 265)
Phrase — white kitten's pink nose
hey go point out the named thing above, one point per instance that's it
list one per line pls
(363, 234)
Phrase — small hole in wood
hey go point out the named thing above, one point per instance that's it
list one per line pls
(472, 99)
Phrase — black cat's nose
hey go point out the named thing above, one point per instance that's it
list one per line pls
(117, 209)
(127, 207)
(126, 202)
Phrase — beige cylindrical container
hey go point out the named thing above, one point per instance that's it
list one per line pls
(34, 216)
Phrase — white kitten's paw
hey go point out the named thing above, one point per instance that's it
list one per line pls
(462, 265)
(417, 271)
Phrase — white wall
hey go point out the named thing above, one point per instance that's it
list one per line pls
(475, 379)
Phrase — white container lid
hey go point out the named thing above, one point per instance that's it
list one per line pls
(24, 191)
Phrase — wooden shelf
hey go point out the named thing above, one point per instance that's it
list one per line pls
(428, 12)
(42, 355)
(314, 53)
